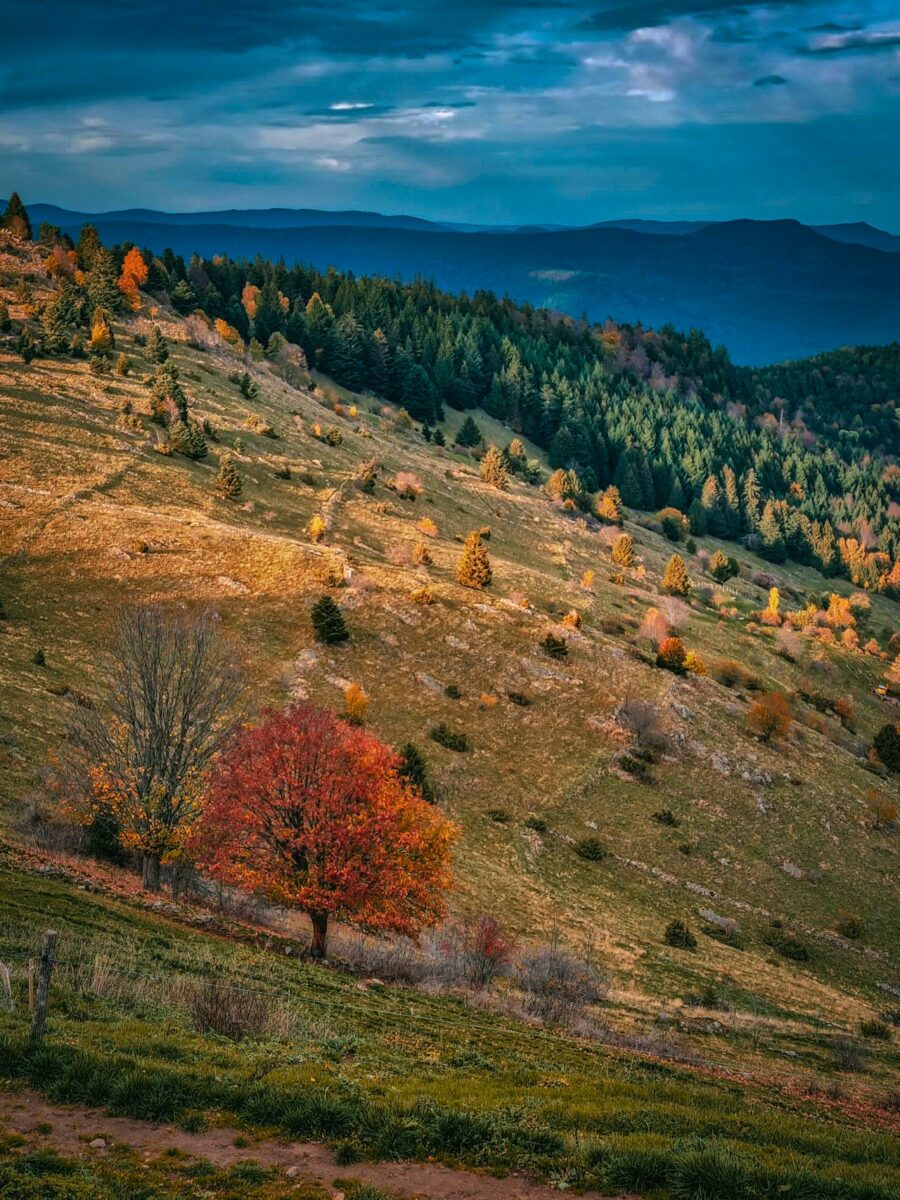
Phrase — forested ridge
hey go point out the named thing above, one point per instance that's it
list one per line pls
(797, 458)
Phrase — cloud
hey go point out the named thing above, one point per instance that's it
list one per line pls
(856, 42)
(767, 81)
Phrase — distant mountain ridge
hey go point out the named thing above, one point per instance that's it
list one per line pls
(768, 290)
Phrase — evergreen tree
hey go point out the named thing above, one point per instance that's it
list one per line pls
(493, 468)
(88, 245)
(711, 501)
(626, 480)
(157, 346)
(469, 434)
(103, 281)
(771, 537)
(26, 345)
(228, 480)
(752, 500)
(187, 439)
(184, 298)
(5, 321)
(328, 622)
(58, 315)
(676, 580)
(474, 570)
(167, 396)
(697, 518)
(16, 218)
(722, 567)
(439, 439)
(249, 387)
(414, 769)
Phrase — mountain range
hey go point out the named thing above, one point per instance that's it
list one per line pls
(767, 290)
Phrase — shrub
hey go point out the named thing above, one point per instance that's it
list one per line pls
(230, 1012)
(518, 698)
(878, 1030)
(452, 692)
(770, 716)
(590, 848)
(675, 525)
(557, 987)
(556, 647)
(421, 555)
(356, 704)
(643, 720)
(665, 816)
(848, 925)
(679, 935)
(474, 951)
(407, 485)
(538, 824)
(498, 815)
(572, 619)
(316, 528)
(848, 1054)
(446, 737)
(671, 655)
(414, 769)
(786, 944)
(694, 664)
(328, 622)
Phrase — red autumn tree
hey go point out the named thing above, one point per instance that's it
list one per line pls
(311, 812)
(133, 277)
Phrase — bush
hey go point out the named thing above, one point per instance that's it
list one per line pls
(216, 1007)
(556, 647)
(886, 744)
(848, 1054)
(557, 987)
(644, 721)
(446, 737)
(474, 952)
(786, 944)
(671, 655)
(848, 925)
(679, 935)
(590, 848)
(878, 1030)
(518, 698)
(538, 824)
(771, 716)
(666, 817)
(498, 815)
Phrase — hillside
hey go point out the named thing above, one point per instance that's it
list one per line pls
(768, 290)
(776, 843)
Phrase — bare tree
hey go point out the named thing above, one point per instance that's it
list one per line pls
(172, 687)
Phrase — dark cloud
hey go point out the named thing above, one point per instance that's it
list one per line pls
(617, 16)
(767, 81)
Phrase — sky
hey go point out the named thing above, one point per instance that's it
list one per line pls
(466, 110)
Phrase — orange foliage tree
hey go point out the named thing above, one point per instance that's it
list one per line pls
(311, 812)
(770, 716)
(133, 277)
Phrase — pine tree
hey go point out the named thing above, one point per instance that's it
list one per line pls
(752, 499)
(103, 281)
(414, 769)
(58, 314)
(328, 622)
(167, 396)
(184, 298)
(16, 218)
(493, 468)
(187, 439)
(469, 434)
(439, 439)
(623, 550)
(772, 540)
(722, 567)
(676, 580)
(228, 480)
(711, 500)
(474, 568)
(26, 345)
(157, 346)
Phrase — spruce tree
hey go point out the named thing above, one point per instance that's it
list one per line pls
(167, 396)
(493, 468)
(228, 480)
(328, 622)
(439, 439)
(772, 544)
(184, 298)
(474, 570)
(414, 769)
(676, 580)
(187, 439)
(26, 345)
(103, 281)
(157, 346)
(469, 434)
(16, 218)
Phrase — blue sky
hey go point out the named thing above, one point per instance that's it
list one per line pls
(488, 111)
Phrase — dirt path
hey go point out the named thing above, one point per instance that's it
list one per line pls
(74, 1128)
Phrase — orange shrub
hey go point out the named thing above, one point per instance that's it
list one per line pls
(356, 704)
(771, 716)
(427, 527)
(671, 654)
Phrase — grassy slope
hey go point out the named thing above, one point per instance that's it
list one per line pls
(622, 1119)
(81, 494)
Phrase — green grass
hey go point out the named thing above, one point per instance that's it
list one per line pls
(390, 1073)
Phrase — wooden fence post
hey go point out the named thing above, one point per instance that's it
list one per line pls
(45, 969)
(6, 995)
(32, 964)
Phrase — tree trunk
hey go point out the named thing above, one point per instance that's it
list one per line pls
(319, 934)
(150, 875)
